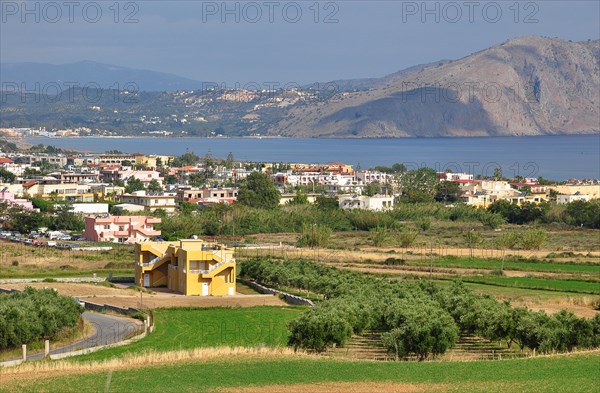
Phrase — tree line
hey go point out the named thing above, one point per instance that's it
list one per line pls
(35, 314)
(415, 318)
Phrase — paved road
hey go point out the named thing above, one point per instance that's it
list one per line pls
(109, 329)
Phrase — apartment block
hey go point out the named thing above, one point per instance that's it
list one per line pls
(120, 229)
(190, 267)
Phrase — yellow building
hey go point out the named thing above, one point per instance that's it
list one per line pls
(152, 161)
(191, 267)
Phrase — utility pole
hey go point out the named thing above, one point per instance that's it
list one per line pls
(430, 260)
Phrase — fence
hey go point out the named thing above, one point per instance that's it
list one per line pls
(120, 279)
(107, 307)
(289, 298)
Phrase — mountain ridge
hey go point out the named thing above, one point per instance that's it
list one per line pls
(525, 86)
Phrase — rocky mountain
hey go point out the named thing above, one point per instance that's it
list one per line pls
(348, 85)
(524, 86)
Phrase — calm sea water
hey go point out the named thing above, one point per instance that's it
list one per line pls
(553, 157)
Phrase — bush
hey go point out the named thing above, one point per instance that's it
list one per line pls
(407, 236)
(364, 220)
(533, 239)
(424, 330)
(319, 329)
(507, 240)
(424, 224)
(492, 220)
(35, 314)
(473, 239)
(379, 236)
(394, 261)
(315, 235)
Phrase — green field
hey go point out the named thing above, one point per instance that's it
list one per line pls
(546, 284)
(187, 328)
(575, 373)
(33, 272)
(493, 264)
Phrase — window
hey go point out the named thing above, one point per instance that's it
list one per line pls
(121, 228)
(107, 226)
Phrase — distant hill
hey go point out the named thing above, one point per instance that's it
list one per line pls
(525, 86)
(348, 85)
(88, 73)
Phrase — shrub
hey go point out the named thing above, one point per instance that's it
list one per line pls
(364, 220)
(379, 236)
(507, 240)
(424, 224)
(394, 261)
(423, 330)
(473, 239)
(407, 236)
(34, 314)
(315, 235)
(492, 220)
(319, 329)
(533, 239)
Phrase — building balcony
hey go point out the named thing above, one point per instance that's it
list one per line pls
(213, 270)
(149, 232)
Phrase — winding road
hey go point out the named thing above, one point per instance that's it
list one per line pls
(108, 329)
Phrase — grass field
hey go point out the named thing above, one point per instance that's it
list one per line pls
(573, 286)
(592, 269)
(33, 272)
(187, 328)
(451, 234)
(23, 260)
(573, 373)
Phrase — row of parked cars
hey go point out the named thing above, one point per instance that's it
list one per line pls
(39, 238)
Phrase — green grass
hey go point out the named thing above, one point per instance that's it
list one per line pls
(545, 284)
(511, 292)
(558, 374)
(495, 264)
(22, 272)
(187, 328)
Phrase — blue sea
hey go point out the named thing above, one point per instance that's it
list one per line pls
(553, 157)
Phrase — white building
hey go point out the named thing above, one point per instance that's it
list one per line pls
(450, 176)
(564, 199)
(373, 177)
(150, 201)
(377, 202)
(90, 208)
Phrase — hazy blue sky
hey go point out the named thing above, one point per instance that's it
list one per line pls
(278, 41)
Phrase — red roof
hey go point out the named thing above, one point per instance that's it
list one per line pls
(5, 160)
(29, 183)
